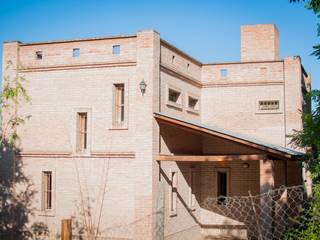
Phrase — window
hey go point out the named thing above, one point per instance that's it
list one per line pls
(119, 105)
(76, 52)
(82, 137)
(188, 66)
(263, 70)
(173, 59)
(46, 190)
(192, 188)
(173, 95)
(222, 185)
(173, 193)
(192, 103)
(223, 73)
(116, 49)
(269, 105)
(38, 55)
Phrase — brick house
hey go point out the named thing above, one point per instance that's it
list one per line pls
(134, 124)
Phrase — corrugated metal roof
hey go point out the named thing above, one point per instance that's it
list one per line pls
(235, 135)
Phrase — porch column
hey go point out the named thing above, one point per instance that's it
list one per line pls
(266, 184)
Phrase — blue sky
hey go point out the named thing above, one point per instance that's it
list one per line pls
(207, 30)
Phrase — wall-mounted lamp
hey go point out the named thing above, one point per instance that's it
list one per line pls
(245, 165)
(143, 86)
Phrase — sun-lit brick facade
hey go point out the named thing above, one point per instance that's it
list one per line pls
(118, 172)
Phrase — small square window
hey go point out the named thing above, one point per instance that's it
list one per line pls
(173, 96)
(263, 70)
(76, 52)
(116, 49)
(223, 73)
(192, 103)
(38, 55)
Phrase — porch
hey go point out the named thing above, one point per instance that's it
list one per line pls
(202, 169)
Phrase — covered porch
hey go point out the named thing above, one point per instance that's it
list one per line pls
(202, 167)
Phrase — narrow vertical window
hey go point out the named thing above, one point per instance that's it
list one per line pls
(76, 52)
(82, 137)
(119, 105)
(47, 190)
(192, 188)
(173, 59)
(116, 49)
(173, 193)
(222, 186)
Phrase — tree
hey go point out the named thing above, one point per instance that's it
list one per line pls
(15, 206)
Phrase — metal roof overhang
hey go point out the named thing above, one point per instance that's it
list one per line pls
(266, 148)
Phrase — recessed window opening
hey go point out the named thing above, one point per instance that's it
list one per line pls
(119, 105)
(47, 190)
(38, 55)
(192, 103)
(269, 105)
(173, 193)
(222, 186)
(76, 52)
(188, 66)
(223, 73)
(116, 49)
(173, 59)
(192, 188)
(263, 70)
(82, 131)
(174, 95)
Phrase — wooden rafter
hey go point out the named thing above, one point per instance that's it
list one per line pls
(210, 158)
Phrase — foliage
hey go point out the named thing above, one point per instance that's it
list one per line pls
(16, 189)
(309, 137)
(11, 97)
(314, 5)
(307, 225)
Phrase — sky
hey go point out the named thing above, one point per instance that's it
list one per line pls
(208, 30)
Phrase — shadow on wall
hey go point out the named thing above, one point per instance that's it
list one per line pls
(16, 194)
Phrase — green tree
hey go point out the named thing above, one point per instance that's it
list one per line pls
(15, 206)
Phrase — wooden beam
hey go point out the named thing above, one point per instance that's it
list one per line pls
(211, 158)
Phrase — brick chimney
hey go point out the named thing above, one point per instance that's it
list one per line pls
(259, 42)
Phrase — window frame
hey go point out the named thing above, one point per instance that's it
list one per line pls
(76, 111)
(76, 52)
(39, 55)
(192, 181)
(227, 172)
(269, 111)
(82, 134)
(224, 73)
(179, 103)
(123, 112)
(43, 210)
(196, 109)
(173, 193)
(116, 49)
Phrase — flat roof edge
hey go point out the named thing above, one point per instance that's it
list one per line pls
(180, 52)
(77, 40)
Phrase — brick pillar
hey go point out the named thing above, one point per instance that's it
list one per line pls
(266, 184)
(147, 69)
